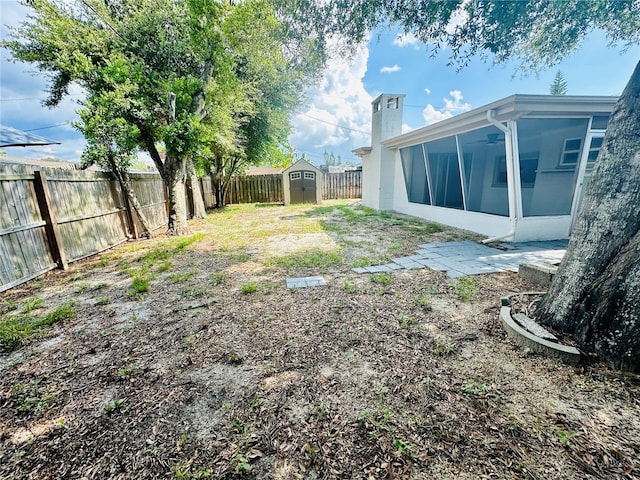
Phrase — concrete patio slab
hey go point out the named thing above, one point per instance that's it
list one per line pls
(471, 258)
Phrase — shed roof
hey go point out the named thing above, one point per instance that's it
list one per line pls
(509, 108)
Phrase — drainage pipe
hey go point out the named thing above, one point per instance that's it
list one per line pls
(511, 184)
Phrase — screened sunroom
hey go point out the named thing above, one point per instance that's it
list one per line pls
(514, 169)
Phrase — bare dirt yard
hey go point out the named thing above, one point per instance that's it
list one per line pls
(188, 358)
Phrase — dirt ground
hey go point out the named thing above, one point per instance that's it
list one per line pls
(220, 371)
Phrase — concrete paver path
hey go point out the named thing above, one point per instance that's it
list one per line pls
(471, 258)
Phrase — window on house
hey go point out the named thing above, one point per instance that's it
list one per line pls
(594, 150)
(444, 173)
(600, 122)
(528, 170)
(551, 147)
(392, 103)
(415, 174)
(570, 151)
(376, 107)
(483, 154)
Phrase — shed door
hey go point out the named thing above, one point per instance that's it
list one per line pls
(302, 187)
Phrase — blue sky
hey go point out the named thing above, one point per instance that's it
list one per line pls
(336, 116)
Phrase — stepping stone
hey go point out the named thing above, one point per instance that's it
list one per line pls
(304, 282)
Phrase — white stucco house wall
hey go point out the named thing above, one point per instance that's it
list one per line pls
(512, 170)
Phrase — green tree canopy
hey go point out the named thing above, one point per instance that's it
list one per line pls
(559, 85)
(197, 77)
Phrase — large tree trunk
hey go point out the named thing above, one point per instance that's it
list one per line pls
(127, 188)
(175, 180)
(199, 210)
(596, 293)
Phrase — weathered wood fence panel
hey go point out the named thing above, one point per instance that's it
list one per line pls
(52, 216)
(342, 185)
(207, 192)
(24, 252)
(268, 188)
(149, 190)
(256, 189)
(89, 210)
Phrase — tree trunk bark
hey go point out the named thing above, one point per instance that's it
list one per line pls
(125, 184)
(175, 181)
(199, 210)
(596, 293)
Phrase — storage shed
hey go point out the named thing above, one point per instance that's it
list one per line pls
(302, 183)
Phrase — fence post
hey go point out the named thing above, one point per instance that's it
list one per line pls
(49, 217)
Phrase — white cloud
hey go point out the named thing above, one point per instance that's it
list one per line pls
(395, 68)
(452, 106)
(340, 100)
(427, 91)
(406, 128)
(407, 40)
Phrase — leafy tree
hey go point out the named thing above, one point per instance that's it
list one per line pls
(559, 85)
(596, 294)
(166, 66)
(111, 144)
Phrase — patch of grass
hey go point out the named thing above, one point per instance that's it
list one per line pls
(104, 300)
(465, 288)
(164, 266)
(403, 449)
(127, 370)
(249, 288)
(218, 278)
(445, 348)
(83, 287)
(377, 422)
(396, 247)
(113, 405)
(192, 292)
(380, 278)
(423, 301)
(101, 285)
(475, 388)
(316, 258)
(367, 261)
(323, 210)
(31, 304)
(407, 322)
(184, 471)
(140, 285)
(180, 277)
(32, 398)
(62, 312)
(423, 228)
(14, 329)
(327, 226)
(350, 286)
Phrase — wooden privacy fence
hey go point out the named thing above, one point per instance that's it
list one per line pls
(268, 188)
(255, 189)
(52, 216)
(342, 185)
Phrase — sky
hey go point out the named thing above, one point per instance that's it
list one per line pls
(336, 116)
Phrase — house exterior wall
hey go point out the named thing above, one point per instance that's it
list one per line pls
(485, 224)
(543, 181)
(378, 168)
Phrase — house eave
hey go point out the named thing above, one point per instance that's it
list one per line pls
(362, 151)
(509, 108)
